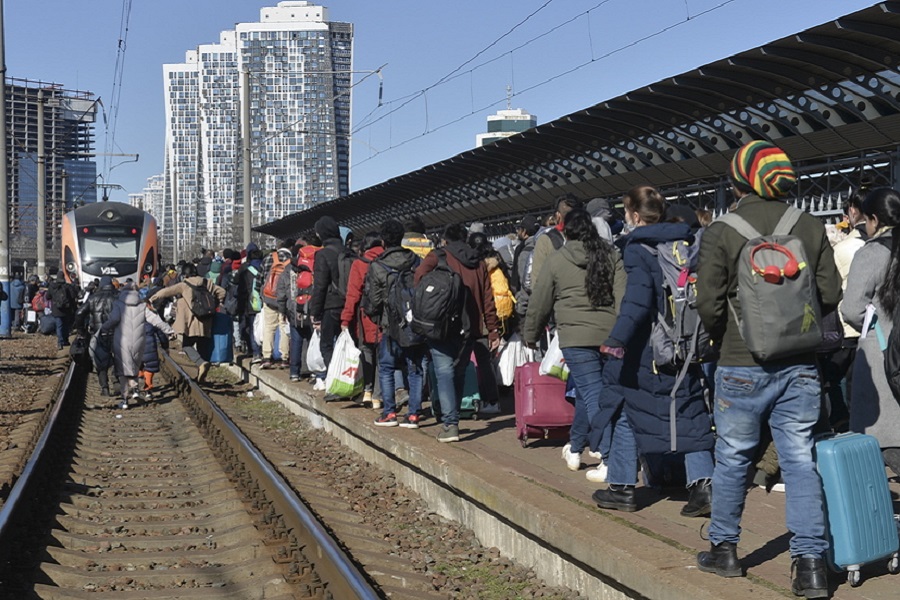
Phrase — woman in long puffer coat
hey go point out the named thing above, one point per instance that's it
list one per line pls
(127, 320)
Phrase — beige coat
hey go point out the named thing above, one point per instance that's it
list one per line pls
(185, 322)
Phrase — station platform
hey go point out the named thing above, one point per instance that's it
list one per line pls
(525, 502)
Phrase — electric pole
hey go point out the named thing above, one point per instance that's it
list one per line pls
(5, 320)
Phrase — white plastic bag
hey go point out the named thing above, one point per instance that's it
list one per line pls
(554, 364)
(314, 360)
(514, 355)
(258, 328)
(344, 377)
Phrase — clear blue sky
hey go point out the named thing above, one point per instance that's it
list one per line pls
(627, 43)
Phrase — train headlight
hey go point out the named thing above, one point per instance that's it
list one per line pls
(148, 268)
(70, 267)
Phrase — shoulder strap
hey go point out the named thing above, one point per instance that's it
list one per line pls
(740, 224)
(787, 221)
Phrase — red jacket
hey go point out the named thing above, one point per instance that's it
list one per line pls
(355, 283)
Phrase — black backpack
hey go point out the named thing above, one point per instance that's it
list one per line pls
(439, 302)
(61, 298)
(345, 260)
(203, 301)
(399, 295)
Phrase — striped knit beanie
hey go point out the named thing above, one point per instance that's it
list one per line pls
(763, 168)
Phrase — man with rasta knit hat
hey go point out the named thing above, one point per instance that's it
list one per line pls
(784, 393)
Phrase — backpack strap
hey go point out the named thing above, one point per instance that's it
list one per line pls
(740, 224)
(787, 221)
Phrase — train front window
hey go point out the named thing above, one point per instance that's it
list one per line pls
(110, 243)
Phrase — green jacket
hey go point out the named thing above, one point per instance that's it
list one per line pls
(560, 291)
(720, 248)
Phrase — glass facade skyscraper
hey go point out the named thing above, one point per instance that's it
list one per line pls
(299, 68)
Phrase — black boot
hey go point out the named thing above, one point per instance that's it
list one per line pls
(721, 559)
(104, 391)
(616, 497)
(808, 577)
(699, 503)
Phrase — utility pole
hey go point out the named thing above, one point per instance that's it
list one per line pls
(41, 191)
(5, 320)
(247, 147)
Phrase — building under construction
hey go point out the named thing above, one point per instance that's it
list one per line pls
(70, 169)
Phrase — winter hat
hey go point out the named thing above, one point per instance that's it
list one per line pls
(327, 228)
(764, 168)
(529, 224)
(106, 281)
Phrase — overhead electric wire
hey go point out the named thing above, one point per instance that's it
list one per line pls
(537, 85)
(450, 75)
(118, 75)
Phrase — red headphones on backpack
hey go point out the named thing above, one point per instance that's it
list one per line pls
(771, 273)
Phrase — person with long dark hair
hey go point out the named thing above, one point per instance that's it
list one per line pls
(636, 392)
(874, 281)
(584, 283)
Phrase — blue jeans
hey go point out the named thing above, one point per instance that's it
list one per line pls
(622, 459)
(585, 371)
(413, 357)
(788, 398)
(698, 465)
(62, 330)
(450, 358)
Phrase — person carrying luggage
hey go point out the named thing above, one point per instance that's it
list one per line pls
(126, 323)
(89, 319)
(355, 319)
(654, 405)
(751, 390)
(583, 287)
(454, 327)
(388, 298)
(195, 329)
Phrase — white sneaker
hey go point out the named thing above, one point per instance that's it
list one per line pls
(595, 455)
(123, 405)
(319, 386)
(573, 461)
(598, 474)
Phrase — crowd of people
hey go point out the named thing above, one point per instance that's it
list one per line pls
(421, 308)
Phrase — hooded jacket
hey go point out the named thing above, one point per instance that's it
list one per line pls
(635, 379)
(562, 293)
(268, 263)
(351, 315)
(16, 294)
(185, 322)
(482, 316)
(92, 314)
(326, 274)
(127, 320)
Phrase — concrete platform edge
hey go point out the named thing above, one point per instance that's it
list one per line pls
(538, 528)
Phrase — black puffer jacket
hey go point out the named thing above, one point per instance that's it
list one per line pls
(95, 311)
(326, 272)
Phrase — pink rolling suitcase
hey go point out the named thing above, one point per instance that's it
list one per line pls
(542, 410)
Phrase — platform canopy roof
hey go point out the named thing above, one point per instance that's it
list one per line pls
(828, 91)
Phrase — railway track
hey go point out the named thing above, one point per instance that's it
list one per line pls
(164, 500)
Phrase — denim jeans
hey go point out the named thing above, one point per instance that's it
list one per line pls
(698, 465)
(622, 459)
(788, 398)
(450, 358)
(585, 371)
(389, 353)
(62, 330)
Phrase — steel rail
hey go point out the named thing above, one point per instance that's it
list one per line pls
(38, 454)
(343, 579)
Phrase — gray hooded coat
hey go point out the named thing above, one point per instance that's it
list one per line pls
(127, 320)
